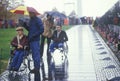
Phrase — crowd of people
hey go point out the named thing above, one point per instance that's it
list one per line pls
(57, 20)
(38, 31)
(8, 23)
(110, 31)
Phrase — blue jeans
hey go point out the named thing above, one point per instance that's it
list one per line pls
(55, 45)
(35, 47)
(17, 59)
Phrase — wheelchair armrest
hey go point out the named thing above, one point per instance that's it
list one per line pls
(12, 52)
(11, 49)
(26, 48)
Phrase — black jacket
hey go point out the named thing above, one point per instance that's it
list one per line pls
(62, 36)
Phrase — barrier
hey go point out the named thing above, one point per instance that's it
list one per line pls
(111, 35)
(0, 59)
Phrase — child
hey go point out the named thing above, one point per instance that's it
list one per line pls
(19, 42)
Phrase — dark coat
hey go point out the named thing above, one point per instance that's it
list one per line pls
(48, 28)
(62, 36)
(35, 28)
(23, 41)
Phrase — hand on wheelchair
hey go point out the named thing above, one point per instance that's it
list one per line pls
(26, 48)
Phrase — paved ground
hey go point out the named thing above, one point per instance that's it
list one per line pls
(89, 59)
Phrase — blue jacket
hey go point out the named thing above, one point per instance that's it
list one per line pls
(35, 28)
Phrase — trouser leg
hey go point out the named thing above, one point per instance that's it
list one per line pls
(35, 47)
(20, 60)
(15, 59)
(60, 45)
(42, 46)
(37, 76)
(52, 46)
(48, 53)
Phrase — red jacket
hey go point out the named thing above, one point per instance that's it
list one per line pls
(23, 41)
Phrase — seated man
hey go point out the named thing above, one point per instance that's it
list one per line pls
(59, 37)
(19, 42)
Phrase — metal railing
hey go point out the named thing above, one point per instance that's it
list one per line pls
(1, 59)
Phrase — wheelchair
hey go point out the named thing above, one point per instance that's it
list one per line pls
(63, 50)
(59, 62)
(25, 66)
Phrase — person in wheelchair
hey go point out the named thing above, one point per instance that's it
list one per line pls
(59, 37)
(19, 42)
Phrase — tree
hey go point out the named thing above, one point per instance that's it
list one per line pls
(6, 5)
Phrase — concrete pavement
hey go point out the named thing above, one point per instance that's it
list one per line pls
(89, 59)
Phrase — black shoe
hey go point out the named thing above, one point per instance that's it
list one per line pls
(34, 71)
(10, 69)
(45, 78)
(49, 78)
(14, 69)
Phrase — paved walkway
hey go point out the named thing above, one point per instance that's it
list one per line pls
(86, 59)
(81, 66)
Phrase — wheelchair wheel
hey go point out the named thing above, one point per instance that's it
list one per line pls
(9, 62)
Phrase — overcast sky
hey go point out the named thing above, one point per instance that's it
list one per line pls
(97, 7)
(89, 7)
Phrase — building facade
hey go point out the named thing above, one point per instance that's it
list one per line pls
(73, 5)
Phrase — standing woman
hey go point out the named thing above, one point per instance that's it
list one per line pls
(47, 34)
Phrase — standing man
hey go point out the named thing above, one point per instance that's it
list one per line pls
(35, 29)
